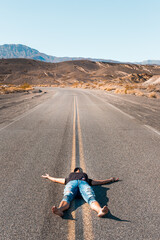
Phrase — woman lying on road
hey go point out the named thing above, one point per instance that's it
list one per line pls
(78, 183)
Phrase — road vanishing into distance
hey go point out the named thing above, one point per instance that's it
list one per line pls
(74, 127)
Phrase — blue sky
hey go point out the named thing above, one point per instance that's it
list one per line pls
(124, 30)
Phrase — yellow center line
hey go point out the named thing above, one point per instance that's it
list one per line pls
(73, 162)
(86, 212)
(71, 223)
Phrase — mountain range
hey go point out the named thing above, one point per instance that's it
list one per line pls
(22, 51)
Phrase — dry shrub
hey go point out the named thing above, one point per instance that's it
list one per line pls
(157, 90)
(132, 92)
(96, 83)
(130, 87)
(151, 88)
(139, 93)
(75, 85)
(152, 95)
(8, 89)
(13, 89)
(43, 85)
(126, 89)
(100, 84)
(25, 86)
(120, 91)
(142, 87)
(87, 85)
(80, 83)
(110, 89)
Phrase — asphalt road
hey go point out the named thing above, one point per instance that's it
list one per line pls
(79, 127)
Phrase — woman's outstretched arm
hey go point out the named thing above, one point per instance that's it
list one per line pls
(56, 180)
(101, 182)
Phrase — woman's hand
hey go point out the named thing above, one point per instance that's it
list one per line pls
(45, 176)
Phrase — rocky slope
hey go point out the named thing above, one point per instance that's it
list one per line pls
(19, 71)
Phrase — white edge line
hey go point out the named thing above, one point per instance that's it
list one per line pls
(127, 100)
(153, 129)
(126, 114)
(25, 114)
(147, 126)
(111, 105)
(18, 118)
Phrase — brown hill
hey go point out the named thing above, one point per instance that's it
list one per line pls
(19, 71)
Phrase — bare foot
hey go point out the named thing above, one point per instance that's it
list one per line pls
(103, 211)
(57, 211)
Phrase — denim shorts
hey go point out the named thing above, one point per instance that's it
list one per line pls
(72, 189)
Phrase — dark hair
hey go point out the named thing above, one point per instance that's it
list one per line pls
(78, 168)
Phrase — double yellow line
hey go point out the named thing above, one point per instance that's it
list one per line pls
(86, 212)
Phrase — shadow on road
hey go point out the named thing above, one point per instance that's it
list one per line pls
(101, 197)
